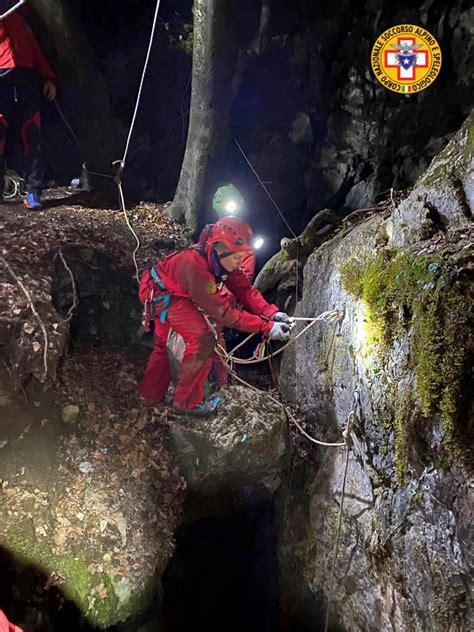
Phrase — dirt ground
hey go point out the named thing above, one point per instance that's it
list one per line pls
(103, 485)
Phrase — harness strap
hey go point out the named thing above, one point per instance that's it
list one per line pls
(161, 298)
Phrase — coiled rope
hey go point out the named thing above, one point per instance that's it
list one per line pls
(229, 359)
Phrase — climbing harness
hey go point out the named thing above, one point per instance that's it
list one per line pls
(164, 298)
(152, 298)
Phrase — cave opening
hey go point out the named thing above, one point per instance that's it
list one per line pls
(224, 574)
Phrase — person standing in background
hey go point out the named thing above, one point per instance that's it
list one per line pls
(23, 70)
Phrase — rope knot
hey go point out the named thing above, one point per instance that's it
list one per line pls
(119, 167)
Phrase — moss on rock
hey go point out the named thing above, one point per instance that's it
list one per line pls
(419, 293)
(93, 593)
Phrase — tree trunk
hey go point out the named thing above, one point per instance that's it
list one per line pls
(79, 75)
(214, 58)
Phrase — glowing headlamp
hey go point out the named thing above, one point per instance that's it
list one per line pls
(258, 242)
(231, 206)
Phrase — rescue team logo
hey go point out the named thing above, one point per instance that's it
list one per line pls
(210, 287)
(406, 59)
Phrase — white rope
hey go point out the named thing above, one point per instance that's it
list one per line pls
(142, 80)
(121, 163)
(328, 316)
(137, 247)
(346, 434)
(265, 188)
(14, 185)
(290, 416)
(14, 8)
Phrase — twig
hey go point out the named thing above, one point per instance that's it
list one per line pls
(15, 437)
(75, 299)
(392, 198)
(31, 305)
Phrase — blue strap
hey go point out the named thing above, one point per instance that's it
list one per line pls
(165, 298)
(156, 278)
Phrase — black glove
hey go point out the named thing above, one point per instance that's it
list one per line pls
(281, 317)
(280, 332)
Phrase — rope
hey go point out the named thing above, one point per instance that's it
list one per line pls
(329, 316)
(348, 443)
(14, 185)
(229, 360)
(120, 164)
(142, 80)
(297, 266)
(287, 412)
(66, 122)
(11, 9)
(137, 246)
(265, 188)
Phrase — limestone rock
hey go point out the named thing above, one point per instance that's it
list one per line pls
(404, 555)
(70, 413)
(237, 453)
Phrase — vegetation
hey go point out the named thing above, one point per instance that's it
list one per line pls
(93, 594)
(421, 294)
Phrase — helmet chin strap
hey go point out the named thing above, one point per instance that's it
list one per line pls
(215, 263)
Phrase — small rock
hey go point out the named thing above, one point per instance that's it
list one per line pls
(70, 413)
(86, 467)
(28, 329)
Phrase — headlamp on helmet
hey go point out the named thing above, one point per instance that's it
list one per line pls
(227, 200)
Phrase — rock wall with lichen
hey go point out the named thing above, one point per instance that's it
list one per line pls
(400, 361)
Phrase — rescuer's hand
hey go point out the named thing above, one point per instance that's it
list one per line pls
(281, 317)
(280, 332)
(49, 90)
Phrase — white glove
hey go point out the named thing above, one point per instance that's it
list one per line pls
(281, 317)
(280, 332)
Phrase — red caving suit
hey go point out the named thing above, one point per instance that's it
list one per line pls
(189, 279)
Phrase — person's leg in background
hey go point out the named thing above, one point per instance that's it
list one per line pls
(29, 117)
(6, 103)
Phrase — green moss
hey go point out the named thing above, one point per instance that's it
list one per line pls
(402, 291)
(80, 585)
(187, 42)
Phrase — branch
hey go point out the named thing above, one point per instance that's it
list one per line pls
(75, 298)
(31, 305)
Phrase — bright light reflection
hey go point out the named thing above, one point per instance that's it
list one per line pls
(231, 206)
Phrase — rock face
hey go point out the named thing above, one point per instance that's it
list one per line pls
(404, 554)
(236, 455)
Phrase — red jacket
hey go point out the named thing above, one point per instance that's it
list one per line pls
(188, 274)
(6, 626)
(248, 261)
(20, 49)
